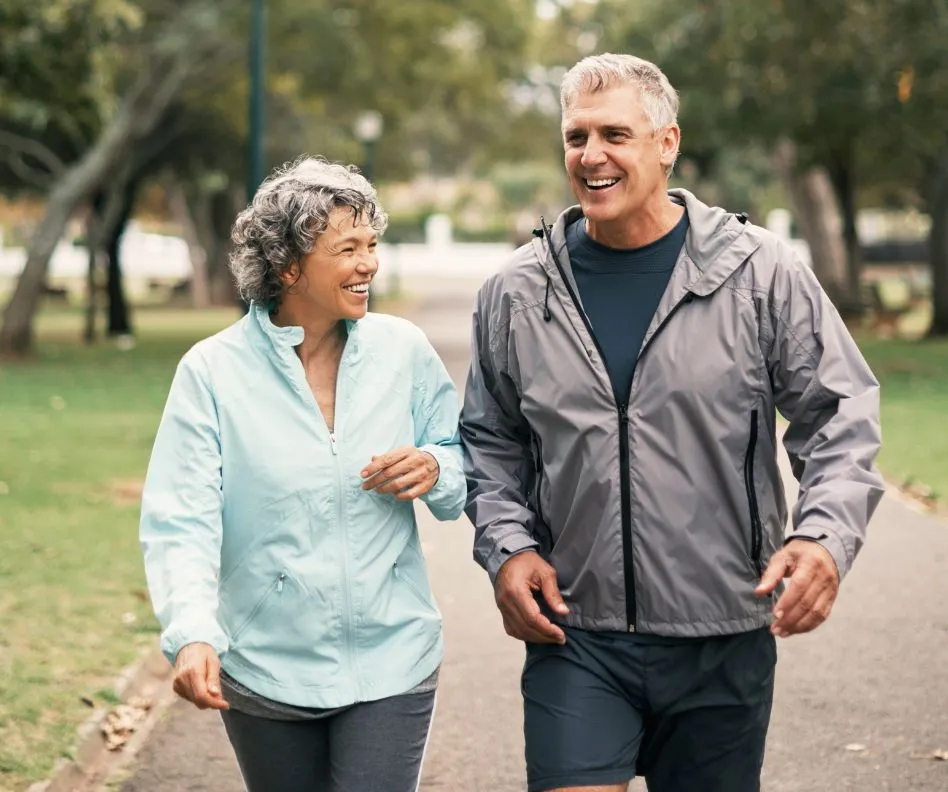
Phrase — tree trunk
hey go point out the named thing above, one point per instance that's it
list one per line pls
(938, 245)
(137, 115)
(843, 174)
(92, 243)
(119, 322)
(181, 212)
(818, 219)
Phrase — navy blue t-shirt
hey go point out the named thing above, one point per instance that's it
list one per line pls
(620, 291)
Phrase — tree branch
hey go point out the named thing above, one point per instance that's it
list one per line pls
(24, 145)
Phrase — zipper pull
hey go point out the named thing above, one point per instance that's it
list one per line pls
(332, 442)
(280, 580)
(624, 414)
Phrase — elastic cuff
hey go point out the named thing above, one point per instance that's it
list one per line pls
(507, 548)
(830, 541)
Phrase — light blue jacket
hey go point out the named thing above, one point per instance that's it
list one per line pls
(256, 534)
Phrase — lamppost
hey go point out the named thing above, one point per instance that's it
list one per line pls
(368, 129)
(257, 105)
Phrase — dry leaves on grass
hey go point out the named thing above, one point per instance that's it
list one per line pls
(120, 724)
(127, 492)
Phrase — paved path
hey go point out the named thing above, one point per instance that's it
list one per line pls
(876, 675)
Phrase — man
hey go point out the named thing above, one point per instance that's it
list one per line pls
(619, 427)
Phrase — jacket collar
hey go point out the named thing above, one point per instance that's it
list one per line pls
(716, 244)
(283, 340)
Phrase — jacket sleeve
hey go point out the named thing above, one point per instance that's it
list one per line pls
(435, 416)
(496, 438)
(181, 527)
(826, 391)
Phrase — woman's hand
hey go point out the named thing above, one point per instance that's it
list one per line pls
(197, 676)
(406, 473)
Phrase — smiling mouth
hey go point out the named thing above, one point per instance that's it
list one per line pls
(600, 184)
(357, 288)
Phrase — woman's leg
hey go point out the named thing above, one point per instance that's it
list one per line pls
(379, 746)
(280, 756)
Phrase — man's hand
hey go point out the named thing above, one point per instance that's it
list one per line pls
(406, 473)
(197, 676)
(811, 591)
(518, 579)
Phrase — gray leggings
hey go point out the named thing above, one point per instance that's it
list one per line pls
(377, 746)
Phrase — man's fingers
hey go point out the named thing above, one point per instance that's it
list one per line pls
(534, 626)
(385, 460)
(805, 619)
(551, 592)
(776, 571)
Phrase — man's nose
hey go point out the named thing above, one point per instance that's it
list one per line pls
(593, 153)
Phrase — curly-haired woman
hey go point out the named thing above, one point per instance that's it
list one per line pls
(278, 524)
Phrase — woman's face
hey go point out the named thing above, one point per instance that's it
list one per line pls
(335, 276)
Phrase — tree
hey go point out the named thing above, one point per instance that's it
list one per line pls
(181, 48)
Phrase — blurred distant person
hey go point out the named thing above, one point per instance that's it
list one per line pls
(620, 434)
(278, 525)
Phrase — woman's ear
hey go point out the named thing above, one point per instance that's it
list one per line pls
(290, 275)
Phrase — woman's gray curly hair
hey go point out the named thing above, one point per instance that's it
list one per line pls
(289, 211)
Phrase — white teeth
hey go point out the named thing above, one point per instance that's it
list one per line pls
(601, 182)
(359, 288)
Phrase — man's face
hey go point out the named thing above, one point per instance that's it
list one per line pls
(614, 159)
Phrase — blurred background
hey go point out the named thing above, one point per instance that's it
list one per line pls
(133, 131)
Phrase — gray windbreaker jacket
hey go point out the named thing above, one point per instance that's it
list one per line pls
(660, 508)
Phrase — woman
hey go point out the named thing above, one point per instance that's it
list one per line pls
(278, 527)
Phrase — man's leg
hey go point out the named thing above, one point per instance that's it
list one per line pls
(709, 712)
(582, 726)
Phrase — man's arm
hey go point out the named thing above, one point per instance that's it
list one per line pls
(825, 389)
(499, 469)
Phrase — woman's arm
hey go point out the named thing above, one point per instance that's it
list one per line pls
(181, 526)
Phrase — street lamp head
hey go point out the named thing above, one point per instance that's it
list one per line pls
(368, 126)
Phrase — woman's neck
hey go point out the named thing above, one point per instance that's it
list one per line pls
(322, 338)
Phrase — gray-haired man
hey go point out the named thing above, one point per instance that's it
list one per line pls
(619, 427)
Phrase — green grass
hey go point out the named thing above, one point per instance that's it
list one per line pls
(914, 379)
(76, 427)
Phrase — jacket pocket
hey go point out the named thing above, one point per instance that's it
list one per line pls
(757, 531)
(405, 578)
(276, 587)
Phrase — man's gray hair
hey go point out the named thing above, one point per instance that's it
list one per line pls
(288, 212)
(601, 72)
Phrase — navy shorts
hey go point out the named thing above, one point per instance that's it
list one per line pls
(690, 715)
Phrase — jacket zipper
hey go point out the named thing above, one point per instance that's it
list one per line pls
(757, 531)
(625, 489)
(622, 408)
(538, 475)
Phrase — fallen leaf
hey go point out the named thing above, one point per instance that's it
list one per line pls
(120, 724)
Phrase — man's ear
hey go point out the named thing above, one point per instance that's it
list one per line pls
(670, 142)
